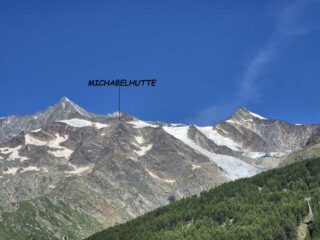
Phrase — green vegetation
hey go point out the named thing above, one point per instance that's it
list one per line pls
(268, 206)
(45, 218)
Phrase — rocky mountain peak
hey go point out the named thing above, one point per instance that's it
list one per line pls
(65, 105)
(244, 114)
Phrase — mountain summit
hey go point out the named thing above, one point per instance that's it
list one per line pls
(243, 114)
(66, 109)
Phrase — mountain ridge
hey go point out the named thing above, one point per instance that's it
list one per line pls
(112, 171)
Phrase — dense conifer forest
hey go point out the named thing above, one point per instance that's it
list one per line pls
(268, 206)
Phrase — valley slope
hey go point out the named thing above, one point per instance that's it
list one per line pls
(268, 206)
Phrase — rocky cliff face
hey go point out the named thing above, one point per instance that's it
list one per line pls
(82, 165)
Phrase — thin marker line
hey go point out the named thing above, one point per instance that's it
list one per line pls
(119, 103)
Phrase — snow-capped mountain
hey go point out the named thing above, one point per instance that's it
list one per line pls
(111, 171)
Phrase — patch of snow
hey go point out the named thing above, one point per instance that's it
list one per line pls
(213, 135)
(34, 141)
(232, 121)
(278, 154)
(51, 186)
(255, 154)
(194, 166)
(77, 170)
(30, 168)
(5, 150)
(45, 170)
(115, 114)
(142, 124)
(220, 129)
(257, 116)
(11, 171)
(158, 178)
(170, 180)
(13, 153)
(139, 139)
(298, 124)
(54, 144)
(100, 125)
(176, 124)
(234, 167)
(79, 123)
(36, 130)
(144, 149)
(62, 152)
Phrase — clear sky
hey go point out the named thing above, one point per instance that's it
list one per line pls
(209, 57)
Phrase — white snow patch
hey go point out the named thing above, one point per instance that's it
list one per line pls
(142, 124)
(170, 180)
(45, 170)
(255, 154)
(51, 186)
(57, 150)
(176, 124)
(213, 135)
(63, 152)
(232, 121)
(234, 167)
(257, 116)
(11, 171)
(34, 141)
(158, 178)
(53, 143)
(144, 149)
(139, 139)
(77, 170)
(100, 125)
(278, 154)
(14, 153)
(195, 166)
(36, 130)
(115, 114)
(30, 168)
(79, 123)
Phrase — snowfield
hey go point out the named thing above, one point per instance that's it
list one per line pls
(79, 123)
(234, 167)
(142, 124)
(218, 139)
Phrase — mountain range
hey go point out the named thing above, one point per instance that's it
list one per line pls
(69, 172)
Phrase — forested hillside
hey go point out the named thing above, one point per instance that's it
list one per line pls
(269, 206)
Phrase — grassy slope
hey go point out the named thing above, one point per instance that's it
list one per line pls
(268, 206)
(45, 218)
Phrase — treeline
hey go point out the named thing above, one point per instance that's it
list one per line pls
(268, 206)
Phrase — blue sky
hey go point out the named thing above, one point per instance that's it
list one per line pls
(209, 57)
